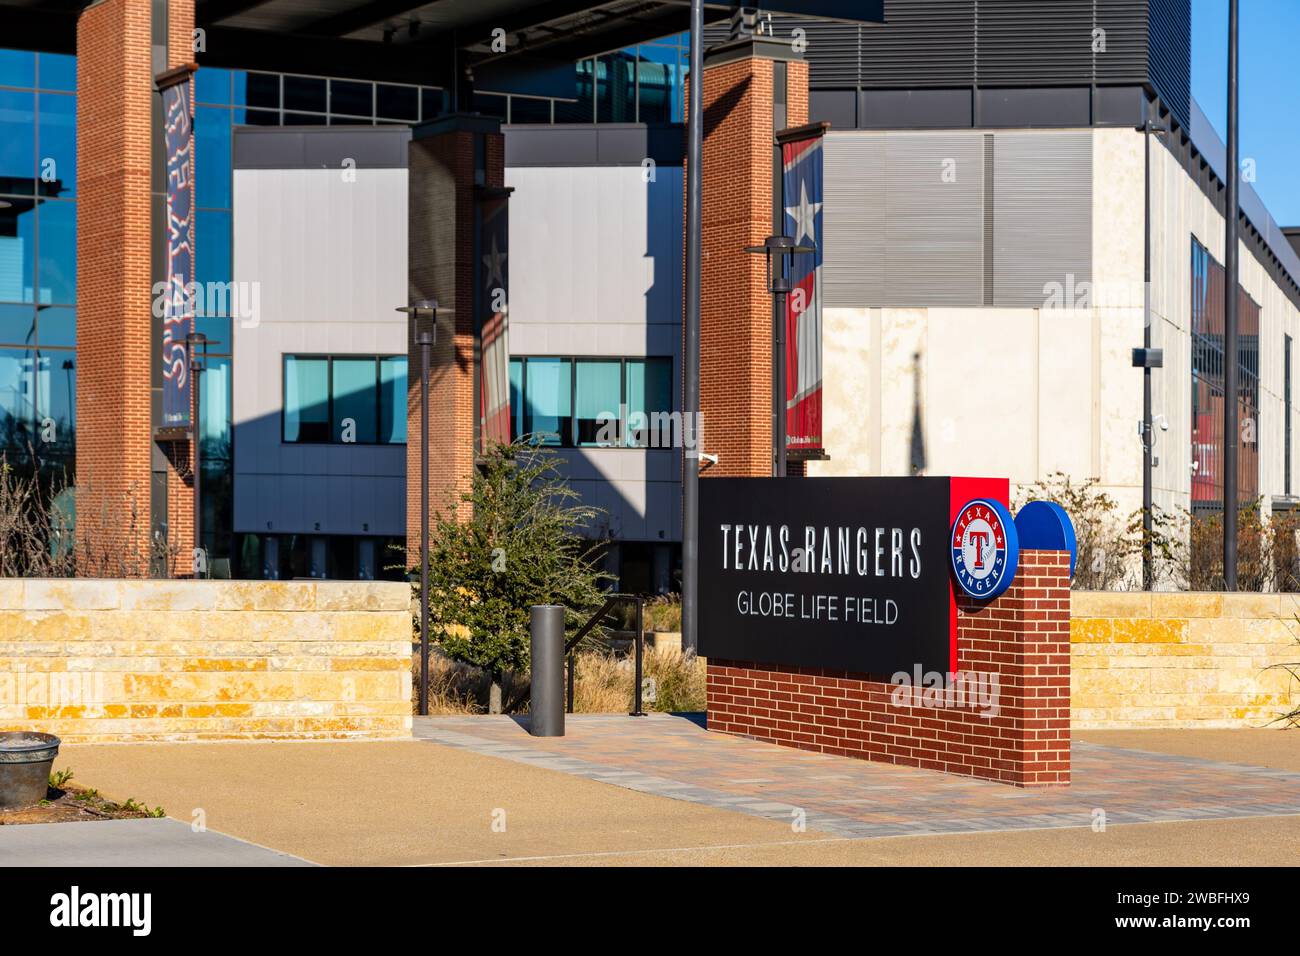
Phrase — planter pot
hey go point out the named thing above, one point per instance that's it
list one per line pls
(25, 762)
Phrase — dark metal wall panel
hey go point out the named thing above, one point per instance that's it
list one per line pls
(937, 44)
(1055, 106)
(1170, 46)
(922, 43)
(1030, 42)
(915, 109)
(1125, 28)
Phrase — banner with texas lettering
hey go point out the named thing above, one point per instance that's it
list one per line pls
(802, 191)
(178, 306)
(494, 347)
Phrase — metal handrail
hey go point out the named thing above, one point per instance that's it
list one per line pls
(571, 645)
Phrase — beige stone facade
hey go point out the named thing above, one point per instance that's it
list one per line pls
(195, 660)
(1193, 659)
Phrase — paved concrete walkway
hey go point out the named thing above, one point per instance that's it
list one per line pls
(130, 843)
(675, 757)
(574, 801)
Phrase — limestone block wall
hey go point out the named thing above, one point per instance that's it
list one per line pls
(1169, 659)
(197, 660)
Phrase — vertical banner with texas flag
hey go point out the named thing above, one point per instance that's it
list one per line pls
(494, 311)
(178, 305)
(801, 156)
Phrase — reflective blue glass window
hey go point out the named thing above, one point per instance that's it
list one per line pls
(397, 102)
(516, 398)
(17, 398)
(17, 141)
(433, 103)
(597, 395)
(58, 71)
(615, 89)
(649, 393)
(261, 90)
(212, 85)
(392, 400)
(524, 109)
(580, 109)
(214, 416)
(212, 157)
(17, 68)
(238, 88)
(352, 98)
(56, 390)
(58, 326)
(490, 104)
(17, 249)
(56, 144)
(56, 268)
(211, 247)
(548, 394)
(352, 387)
(217, 329)
(660, 84)
(306, 399)
(17, 324)
(305, 93)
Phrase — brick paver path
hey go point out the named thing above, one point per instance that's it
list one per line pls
(675, 757)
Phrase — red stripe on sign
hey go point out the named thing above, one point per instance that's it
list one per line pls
(960, 491)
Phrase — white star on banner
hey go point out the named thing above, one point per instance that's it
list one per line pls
(494, 261)
(805, 217)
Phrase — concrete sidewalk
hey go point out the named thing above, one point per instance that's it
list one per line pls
(130, 843)
(424, 803)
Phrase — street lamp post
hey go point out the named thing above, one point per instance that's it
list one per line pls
(691, 333)
(1231, 356)
(196, 344)
(1147, 358)
(778, 285)
(424, 337)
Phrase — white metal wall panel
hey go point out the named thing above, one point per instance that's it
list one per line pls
(904, 219)
(1042, 214)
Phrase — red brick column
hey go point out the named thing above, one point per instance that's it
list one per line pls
(1020, 735)
(735, 307)
(114, 343)
(116, 352)
(443, 265)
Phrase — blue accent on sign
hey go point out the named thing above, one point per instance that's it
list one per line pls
(1046, 526)
(1006, 559)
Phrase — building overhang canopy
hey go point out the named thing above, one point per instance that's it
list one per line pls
(416, 40)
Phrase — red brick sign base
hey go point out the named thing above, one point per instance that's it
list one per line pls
(1015, 729)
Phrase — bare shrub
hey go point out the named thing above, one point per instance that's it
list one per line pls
(49, 530)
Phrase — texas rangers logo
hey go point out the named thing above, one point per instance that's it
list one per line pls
(985, 548)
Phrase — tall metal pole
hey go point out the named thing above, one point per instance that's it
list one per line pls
(198, 458)
(1231, 388)
(779, 356)
(1148, 438)
(425, 339)
(691, 350)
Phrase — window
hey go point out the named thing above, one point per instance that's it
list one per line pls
(345, 399)
(593, 402)
(597, 396)
(1208, 363)
(1286, 415)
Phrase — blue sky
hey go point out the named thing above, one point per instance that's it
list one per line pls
(1269, 91)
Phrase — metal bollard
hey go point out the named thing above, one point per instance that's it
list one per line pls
(546, 623)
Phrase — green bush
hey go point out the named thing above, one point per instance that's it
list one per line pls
(510, 543)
